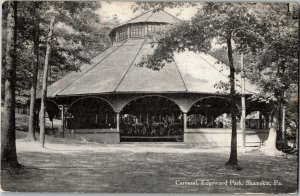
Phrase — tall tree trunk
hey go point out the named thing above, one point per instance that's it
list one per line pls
(279, 129)
(280, 97)
(8, 134)
(44, 87)
(31, 132)
(283, 106)
(233, 161)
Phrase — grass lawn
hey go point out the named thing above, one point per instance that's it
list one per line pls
(76, 166)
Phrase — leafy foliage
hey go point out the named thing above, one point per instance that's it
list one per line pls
(79, 34)
(214, 21)
(274, 68)
(222, 57)
(156, 6)
(263, 31)
(177, 38)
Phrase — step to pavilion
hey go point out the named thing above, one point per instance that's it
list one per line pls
(151, 139)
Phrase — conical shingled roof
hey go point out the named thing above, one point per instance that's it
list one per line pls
(115, 70)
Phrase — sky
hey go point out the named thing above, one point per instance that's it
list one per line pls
(124, 12)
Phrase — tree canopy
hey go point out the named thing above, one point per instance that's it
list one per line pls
(78, 35)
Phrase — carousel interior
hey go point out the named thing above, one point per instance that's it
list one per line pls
(151, 119)
(90, 113)
(155, 118)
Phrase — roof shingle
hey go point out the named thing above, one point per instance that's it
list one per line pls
(115, 70)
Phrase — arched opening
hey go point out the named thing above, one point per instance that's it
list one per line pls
(52, 113)
(257, 127)
(151, 119)
(256, 120)
(209, 122)
(211, 112)
(90, 113)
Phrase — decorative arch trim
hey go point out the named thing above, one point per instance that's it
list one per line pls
(212, 96)
(145, 96)
(52, 102)
(66, 110)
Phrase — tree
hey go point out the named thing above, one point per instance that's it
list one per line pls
(78, 29)
(221, 55)
(274, 68)
(78, 36)
(227, 23)
(45, 78)
(35, 67)
(8, 145)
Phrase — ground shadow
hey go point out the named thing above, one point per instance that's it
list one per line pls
(146, 172)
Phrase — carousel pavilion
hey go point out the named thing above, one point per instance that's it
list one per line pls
(111, 100)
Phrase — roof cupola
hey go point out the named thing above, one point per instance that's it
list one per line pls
(142, 25)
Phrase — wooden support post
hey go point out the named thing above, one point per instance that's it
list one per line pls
(173, 118)
(243, 116)
(118, 121)
(260, 120)
(224, 117)
(147, 120)
(147, 29)
(62, 109)
(267, 121)
(184, 122)
(128, 32)
(241, 123)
